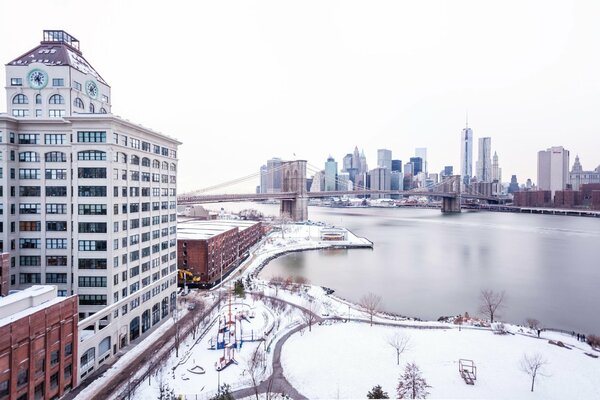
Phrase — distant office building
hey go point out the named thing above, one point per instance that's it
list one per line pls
(396, 182)
(380, 179)
(397, 165)
(384, 159)
(434, 178)
(343, 181)
(528, 184)
(40, 344)
(263, 179)
(513, 187)
(273, 176)
(447, 172)
(417, 165)
(331, 169)
(484, 162)
(466, 154)
(421, 152)
(553, 169)
(347, 162)
(317, 182)
(578, 176)
(496, 170)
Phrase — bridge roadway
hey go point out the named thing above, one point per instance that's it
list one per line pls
(221, 198)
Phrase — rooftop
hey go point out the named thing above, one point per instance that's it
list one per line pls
(201, 229)
(58, 48)
(25, 302)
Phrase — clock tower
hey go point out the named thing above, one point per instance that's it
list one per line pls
(54, 80)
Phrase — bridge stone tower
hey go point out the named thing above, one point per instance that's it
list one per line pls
(294, 180)
(452, 204)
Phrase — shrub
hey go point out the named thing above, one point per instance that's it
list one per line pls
(593, 340)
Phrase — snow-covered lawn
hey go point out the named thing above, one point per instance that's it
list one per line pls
(345, 360)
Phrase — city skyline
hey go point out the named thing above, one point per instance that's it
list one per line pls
(259, 84)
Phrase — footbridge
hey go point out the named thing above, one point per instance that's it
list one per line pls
(294, 195)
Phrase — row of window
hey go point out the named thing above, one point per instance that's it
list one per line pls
(52, 113)
(36, 261)
(89, 137)
(56, 82)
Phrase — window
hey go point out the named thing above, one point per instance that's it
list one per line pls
(92, 108)
(16, 81)
(30, 261)
(56, 113)
(56, 174)
(145, 162)
(91, 137)
(155, 164)
(145, 176)
(155, 149)
(28, 138)
(30, 208)
(77, 85)
(91, 155)
(78, 103)
(56, 99)
(30, 226)
(25, 243)
(145, 146)
(56, 208)
(92, 173)
(38, 99)
(30, 278)
(56, 243)
(102, 110)
(173, 167)
(20, 113)
(58, 82)
(29, 156)
(92, 245)
(92, 300)
(20, 99)
(29, 191)
(52, 277)
(56, 261)
(56, 226)
(56, 191)
(92, 281)
(92, 227)
(92, 263)
(52, 138)
(29, 173)
(55, 156)
(68, 349)
(92, 191)
(135, 143)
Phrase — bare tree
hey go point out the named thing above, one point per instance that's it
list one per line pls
(197, 307)
(490, 303)
(255, 367)
(370, 302)
(533, 365)
(277, 281)
(177, 335)
(533, 323)
(164, 391)
(310, 313)
(399, 342)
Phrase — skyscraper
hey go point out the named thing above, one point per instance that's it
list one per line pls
(496, 170)
(553, 169)
(274, 177)
(347, 162)
(417, 163)
(466, 154)
(95, 199)
(331, 169)
(484, 162)
(384, 159)
(397, 165)
(263, 179)
(422, 153)
(380, 179)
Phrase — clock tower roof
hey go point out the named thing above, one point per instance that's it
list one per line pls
(58, 48)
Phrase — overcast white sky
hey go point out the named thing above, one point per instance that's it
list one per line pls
(242, 81)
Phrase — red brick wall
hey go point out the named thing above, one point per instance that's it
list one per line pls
(28, 343)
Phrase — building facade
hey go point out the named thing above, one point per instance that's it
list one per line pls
(578, 176)
(553, 169)
(380, 179)
(90, 200)
(384, 159)
(38, 344)
(466, 155)
(421, 152)
(484, 162)
(331, 171)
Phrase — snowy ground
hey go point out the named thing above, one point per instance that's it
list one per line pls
(345, 360)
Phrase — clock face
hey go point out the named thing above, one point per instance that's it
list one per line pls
(37, 79)
(91, 89)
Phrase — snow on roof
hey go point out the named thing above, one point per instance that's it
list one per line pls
(201, 229)
(39, 292)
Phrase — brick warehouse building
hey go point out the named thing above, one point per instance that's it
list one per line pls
(208, 249)
(38, 344)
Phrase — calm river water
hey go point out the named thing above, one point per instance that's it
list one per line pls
(425, 264)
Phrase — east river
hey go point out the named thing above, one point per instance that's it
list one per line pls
(425, 264)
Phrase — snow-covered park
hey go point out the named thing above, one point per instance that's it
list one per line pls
(344, 357)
